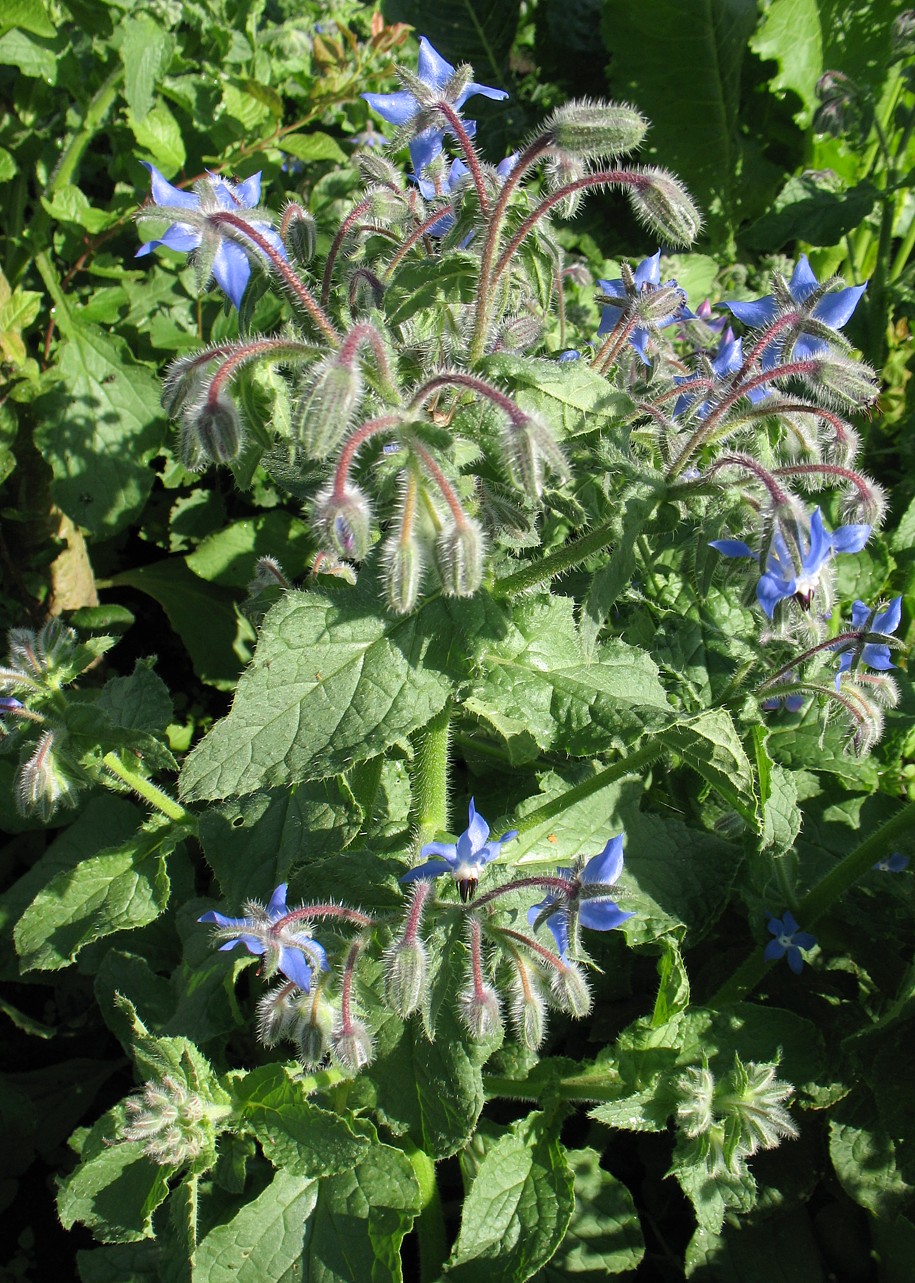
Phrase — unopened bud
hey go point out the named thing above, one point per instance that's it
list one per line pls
(846, 380)
(459, 558)
(352, 1046)
(300, 233)
(696, 1110)
(323, 416)
(45, 782)
(268, 573)
(570, 989)
(406, 968)
(591, 130)
(275, 1015)
(665, 207)
(864, 503)
(530, 451)
(481, 1012)
(313, 1027)
(403, 569)
(343, 520)
(386, 206)
(211, 433)
(559, 171)
(519, 334)
(528, 1008)
(170, 1122)
(376, 168)
(657, 305)
(755, 1098)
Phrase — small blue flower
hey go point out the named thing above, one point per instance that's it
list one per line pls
(895, 863)
(874, 655)
(458, 173)
(464, 859)
(789, 941)
(647, 276)
(832, 309)
(231, 267)
(783, 578)
(293, 953)
(727, 360)
(402, 107)
(588, 900)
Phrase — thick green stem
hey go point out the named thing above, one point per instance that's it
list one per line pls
(819, 900)
(146, 789)
(557, 563)
(430, 1224)
(430, 779)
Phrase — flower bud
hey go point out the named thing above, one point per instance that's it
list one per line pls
(519, 334)
(299, 232)
(403, 570)
(481, 1012)
(528, 1008)
(170, 1121)
(591, 130)
(665, 207)
(558, 172)
(406, 969)
(323, 416)
(570, 989)
(313, 1027)
(211, 432)
(459, 557)
(530, 451)
(352, 1046)
(845, 379)
(756, 1100)
(657, 305)
(45, 782)
(343, 520)
(385, 206)
(696, 1110)
(376, 168)
(276, 1012)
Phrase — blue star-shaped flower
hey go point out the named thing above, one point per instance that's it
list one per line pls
(294, 953)
(783, 578)
(464, 859)
(727, 360)
(789, 941)
(832, 309)
(231, 267)
(647, 276)
(874, 655)
(895, 863)
(457, 174)
(588, 900)
(401, 107)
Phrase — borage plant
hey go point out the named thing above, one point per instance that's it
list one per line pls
(522, 591)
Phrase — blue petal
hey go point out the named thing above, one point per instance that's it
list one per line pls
(803, 282)
(758, 314)
(648, 271)
(836, 309)
(432, 67)
(397, 108)
(251, 943)
(602, 915)
(877, 656)
(606, 867)
(804, 940)
(821, 544)
(474, 837)
(609, 317)
(558, 925)
(850, 538)
(277, 906)
(789, 923)
(231, 271)
(248, 191)
(498, 95)
(426, 147)
(221, 920)
(294, 967)
(164, 194)
(734, 548)
(446, 850)
(795, 961)
(770, 591)
(773, 950)
(887, 621)
(431, 869)
(178, 237)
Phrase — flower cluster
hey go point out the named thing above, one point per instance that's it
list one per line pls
(725, 1122)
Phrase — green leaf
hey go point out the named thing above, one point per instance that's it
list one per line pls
(518, 1207)
(139, 702)
(123, 887)
(115, 1189)
(333, 681)
(673, 991)
(265, 1239)
(296, 1135)
(28, 15)
(360, 1220)
(146, 51)
(120, 1263)
(426, 286)
(604, 1236)
(476, 31)
(205, 617)
(790, 35)
(159, 134)
(314, 146)
(69, 205)
(569, 395)
(866, 1160)
(780, 1250)
(709, 743)
(694, 121)
(813, 207)
(229, 556)
(99, 428)
(28, 57)
(253, 845)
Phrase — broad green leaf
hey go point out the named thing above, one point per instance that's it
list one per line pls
(604, 1236)
(28, 57)
(125, 886)
(426, 286)
(146, 51)
(518, 1207)
(264, 1241)
(253, 845)
(784, 1251)
(569, 395)
(865, 1158)
(709, 743)
(537, 680)
(205, 617)
(480, 33)
(120, 1263)
(673, 991)
(139, 702)
(99, 428)
(712, 1196)
(334, 681)
(360, 1220)
(693, 122)
(790, 34)
(314, 146)
(115, 1189)
(814, 208)
(159, 134)
(8, 165)
(579, 826)
(69, 204)
(28, 15)
(296, 1135)
(229, 556)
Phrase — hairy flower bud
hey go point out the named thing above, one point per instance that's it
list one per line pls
(276, 1012)
(459, 557)
(559, 171)
(530, 451)
(403, 570)
(343, 520)
(45, 781)
(384, 205)
(756, 1099)
(481, 1012)
(570, 989)
(313, 1027)
(211, 432)
(528, 1007)
(352, 1046)
(591, 130)
(170, 1121)
(665, 206)
(300, 233)
(406, 968)
(519, 333)
(322, 417)
(845, 379)
(696, 1110)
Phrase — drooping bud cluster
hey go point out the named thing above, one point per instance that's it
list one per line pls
(170, 1121)
(726, 1122)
